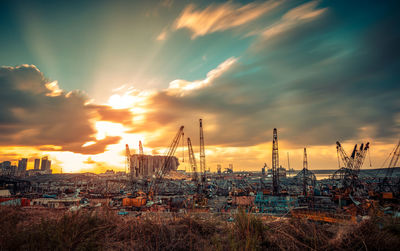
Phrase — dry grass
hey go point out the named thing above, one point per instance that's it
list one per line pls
(104, 230)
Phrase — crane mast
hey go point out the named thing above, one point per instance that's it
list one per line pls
(305, 169)
(183, 148)
(275, 162)
(140, 168)
(202, 153)
(128, 158)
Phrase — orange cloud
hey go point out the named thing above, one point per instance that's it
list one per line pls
(221, 17)
(36, 112)
(296, 16)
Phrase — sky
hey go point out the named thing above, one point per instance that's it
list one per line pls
(80, 79)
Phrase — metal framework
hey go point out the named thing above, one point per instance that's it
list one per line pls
(202, 153)
(387, 184)
(349, 172)
(140, 169)
(305, 169)
(275, 162)
(192, 161)
(169, 156)
(128, 160)
(394, 160)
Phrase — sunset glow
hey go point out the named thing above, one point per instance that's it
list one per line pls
(243, 67)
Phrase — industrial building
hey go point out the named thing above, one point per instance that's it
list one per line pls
(148, 165)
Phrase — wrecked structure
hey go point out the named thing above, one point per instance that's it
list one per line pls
(148, 165)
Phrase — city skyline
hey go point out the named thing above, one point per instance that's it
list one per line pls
(79, 80)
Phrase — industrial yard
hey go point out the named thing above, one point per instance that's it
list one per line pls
(199, 125)
(154, 196)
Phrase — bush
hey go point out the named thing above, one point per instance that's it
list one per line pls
(104, 230)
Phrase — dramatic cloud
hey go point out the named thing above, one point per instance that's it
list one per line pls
(312, 86)
(293, 18)
(36, 112)
(220, 17)
(181, 87)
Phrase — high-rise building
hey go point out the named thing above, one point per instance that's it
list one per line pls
(48, 167)
(37, 164)
(44, 164)
(22, 164)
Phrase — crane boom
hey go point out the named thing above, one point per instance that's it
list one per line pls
(167, 162)
(394, 160)
(192, 160)
(360, 157)
(348, 162)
